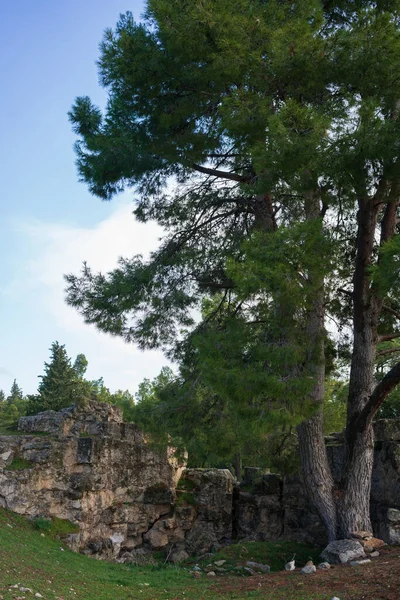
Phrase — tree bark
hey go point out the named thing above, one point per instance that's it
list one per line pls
(314, 460)
(316, 472)
(354, 513)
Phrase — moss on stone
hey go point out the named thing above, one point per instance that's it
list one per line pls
(186, 485)
(185, 498)
(19, 464)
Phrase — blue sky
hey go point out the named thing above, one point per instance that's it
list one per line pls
(49, 222)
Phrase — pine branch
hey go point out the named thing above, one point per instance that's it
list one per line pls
(221, 174)
(389, 351)
(388, 337)
(391, 310)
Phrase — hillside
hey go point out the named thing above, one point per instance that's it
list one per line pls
(31, 558)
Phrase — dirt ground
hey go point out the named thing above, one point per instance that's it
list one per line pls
(378, 580)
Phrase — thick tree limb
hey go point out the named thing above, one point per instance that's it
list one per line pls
(388, 337)
(221, 174)
(377, 398)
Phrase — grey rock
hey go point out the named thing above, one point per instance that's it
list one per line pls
(179, 556)
(393, 515)
(211, 574)
(308, 569)
(258, 567)
(324, 565)
(94, 471)
(342, 551)
(355, 563)
(375, 554)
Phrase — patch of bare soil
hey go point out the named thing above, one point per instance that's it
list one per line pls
(377, 580)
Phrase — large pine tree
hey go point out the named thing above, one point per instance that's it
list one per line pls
(277, 123)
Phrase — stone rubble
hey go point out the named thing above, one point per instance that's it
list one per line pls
(343, 551)
(355, 563)
(308, 569)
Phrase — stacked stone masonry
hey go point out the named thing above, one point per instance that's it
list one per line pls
(90, 468)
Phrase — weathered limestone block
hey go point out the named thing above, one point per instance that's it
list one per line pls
(343, 551)
(210, 491)
(386, 523)
(50, 421)
(301, 521)
(258, 507)
(93, 470)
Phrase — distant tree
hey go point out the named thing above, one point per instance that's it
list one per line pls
(62, 384)
(12, 407)
(15, 394)
(193, 418)
(81, 365)
(126, 401)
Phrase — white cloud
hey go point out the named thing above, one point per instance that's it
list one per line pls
(58, 249)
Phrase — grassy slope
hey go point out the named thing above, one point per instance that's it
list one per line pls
(35, 561)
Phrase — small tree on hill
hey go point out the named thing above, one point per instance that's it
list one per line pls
(61, 385)
(13, 406)
(15, 394)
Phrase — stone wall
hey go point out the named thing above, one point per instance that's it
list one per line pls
(269, 507)
(90, 468)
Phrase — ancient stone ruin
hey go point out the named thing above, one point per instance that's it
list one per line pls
(90, 468)
(126, 498)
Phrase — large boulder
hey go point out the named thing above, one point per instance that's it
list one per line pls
(343, 551)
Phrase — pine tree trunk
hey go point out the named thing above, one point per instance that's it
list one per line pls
(355, 487)
(316, 472)
(354, 506)
(364, 395)
(315, 467)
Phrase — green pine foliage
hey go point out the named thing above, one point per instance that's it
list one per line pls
(62, 383)
(255, 138)
(12, 407)
(265, 104)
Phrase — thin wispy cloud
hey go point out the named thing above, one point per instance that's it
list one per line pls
(58, 249)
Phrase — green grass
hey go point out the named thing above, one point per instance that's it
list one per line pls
(9, 429)
(274, 554)
(19, 464)
(34, 559)
(56, 527)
